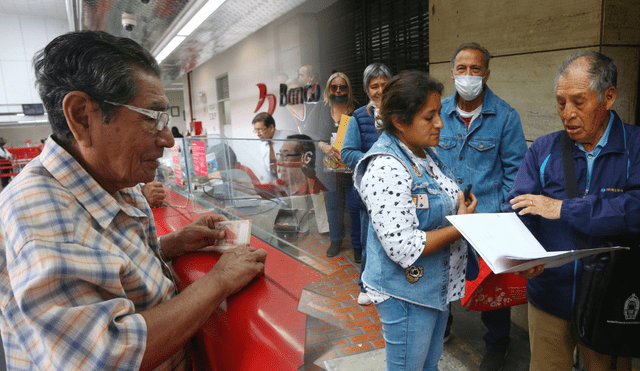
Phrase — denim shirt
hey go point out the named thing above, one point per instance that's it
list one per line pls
(486, 155)
(426, 281)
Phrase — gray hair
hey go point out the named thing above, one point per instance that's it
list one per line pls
(472, 46)
(603, 73)
(375, 70)
(99, 64)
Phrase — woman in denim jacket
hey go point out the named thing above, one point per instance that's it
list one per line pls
(416, 260)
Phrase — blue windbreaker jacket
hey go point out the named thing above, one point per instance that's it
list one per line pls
(611, 207)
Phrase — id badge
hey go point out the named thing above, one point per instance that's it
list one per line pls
(421, 200)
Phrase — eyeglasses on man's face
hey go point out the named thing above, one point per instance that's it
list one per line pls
(336, 88)
(284, 156)
(259, 130)
(162, 118)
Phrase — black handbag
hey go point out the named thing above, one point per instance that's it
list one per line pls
(606, 312)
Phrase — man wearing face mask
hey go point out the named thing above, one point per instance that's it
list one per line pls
(483, 143)
(308, 79)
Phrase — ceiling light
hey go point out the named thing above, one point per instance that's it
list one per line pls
(170, 47)
(200, 17)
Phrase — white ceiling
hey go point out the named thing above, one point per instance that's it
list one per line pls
(40, 8)
(231, 23)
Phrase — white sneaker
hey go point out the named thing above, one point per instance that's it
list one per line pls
(364, 299)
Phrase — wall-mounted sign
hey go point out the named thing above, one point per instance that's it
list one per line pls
(213, 112)
(177, 172)
(292, 96)
(199, 157)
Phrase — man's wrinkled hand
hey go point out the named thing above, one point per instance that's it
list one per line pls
(238, 266)
(531, 272)
(154, 193)
(201, 233)
(546, 207)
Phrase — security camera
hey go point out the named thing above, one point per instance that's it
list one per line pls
(128, 21)
(145, 1)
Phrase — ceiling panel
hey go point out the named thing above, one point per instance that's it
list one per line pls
(41, 8)
(233, 21)
(229, 24)
(152, 19)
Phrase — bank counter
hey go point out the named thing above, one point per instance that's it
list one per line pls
(21, 156)
(260, 327)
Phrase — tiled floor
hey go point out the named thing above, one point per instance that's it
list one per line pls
(336, 325)
(342, 335)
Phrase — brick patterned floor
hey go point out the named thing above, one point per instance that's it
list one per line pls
(336, 325)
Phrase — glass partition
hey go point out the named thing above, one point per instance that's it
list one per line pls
(232, 177)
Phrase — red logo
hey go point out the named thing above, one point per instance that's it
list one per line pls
(270, 97)
(290, 96)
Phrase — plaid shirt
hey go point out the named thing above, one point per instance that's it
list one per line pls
(77, 265)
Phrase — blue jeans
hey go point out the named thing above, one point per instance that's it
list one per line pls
(498, 324)
(354, 203)
(413, 335)
(336, 202)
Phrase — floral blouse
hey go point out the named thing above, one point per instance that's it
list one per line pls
(405, 247)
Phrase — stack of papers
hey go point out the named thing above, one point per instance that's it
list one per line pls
(507, 245)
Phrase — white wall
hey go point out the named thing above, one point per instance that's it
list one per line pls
(277, 47)
(176, 98)
(250, 62)
(22, 37)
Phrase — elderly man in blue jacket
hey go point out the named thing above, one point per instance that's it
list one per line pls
(483, 143)
(606, 156)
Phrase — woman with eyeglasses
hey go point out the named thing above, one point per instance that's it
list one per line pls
(360, 136)
(338, 101)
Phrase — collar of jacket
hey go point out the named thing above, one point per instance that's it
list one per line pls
(618, 138)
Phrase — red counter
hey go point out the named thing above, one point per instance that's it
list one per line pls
(259, 328)
(25, 152)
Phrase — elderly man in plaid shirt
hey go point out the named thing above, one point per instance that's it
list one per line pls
(83, 284)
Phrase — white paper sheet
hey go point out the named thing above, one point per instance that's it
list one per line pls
(506, 245)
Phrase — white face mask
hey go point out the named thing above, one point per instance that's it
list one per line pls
(469, 87)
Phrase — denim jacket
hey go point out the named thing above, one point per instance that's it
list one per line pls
(426, 281)
(488, 154)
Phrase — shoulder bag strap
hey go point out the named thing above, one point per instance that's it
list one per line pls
(570, 181)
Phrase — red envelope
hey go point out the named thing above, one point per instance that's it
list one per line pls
(494, 291)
